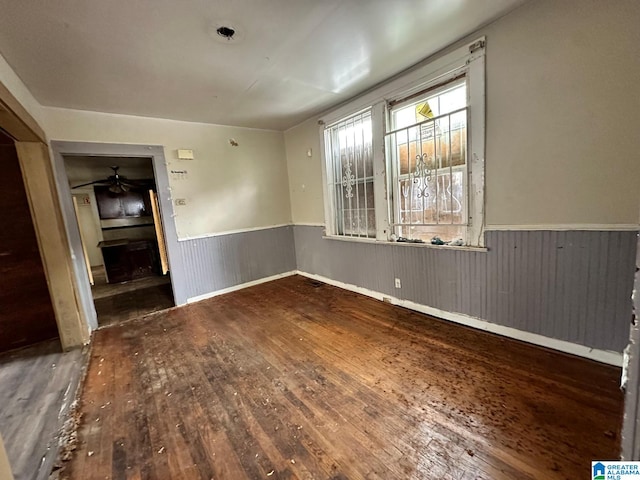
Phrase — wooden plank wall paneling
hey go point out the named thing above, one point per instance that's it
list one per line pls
(215, 263)
(26, 312)
(568, 285)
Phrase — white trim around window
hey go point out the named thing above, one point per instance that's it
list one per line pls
(467, 61)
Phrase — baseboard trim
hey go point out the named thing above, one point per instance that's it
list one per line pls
(240, 286)
(603, 356)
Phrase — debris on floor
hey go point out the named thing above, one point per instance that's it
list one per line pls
(68, 441)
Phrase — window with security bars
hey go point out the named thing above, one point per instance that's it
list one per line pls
(350, 179)
(426, 147)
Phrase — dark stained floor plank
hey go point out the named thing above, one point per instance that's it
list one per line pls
(289, 380)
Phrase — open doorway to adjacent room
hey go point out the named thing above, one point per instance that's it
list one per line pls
(116, 208)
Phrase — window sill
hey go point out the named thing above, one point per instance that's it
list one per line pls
(404, 244)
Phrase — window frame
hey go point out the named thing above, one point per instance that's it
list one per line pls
(444, 85)
(332, 182)
(468, 60)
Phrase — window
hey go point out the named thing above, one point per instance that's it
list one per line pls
(350, 175)
(427, 152)
(406, 161)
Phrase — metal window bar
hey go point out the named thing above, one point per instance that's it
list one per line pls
(337, 184)
(410, 183)
(345, 176)
(423, 194)
(448, 153)
(356, 158)
(350, 148)
(437, 162)
(421, 175)
(430, 120)
(333, 184)
(465, 176)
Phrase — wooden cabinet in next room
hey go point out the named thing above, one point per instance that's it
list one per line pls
(133, 203)
(126, 260)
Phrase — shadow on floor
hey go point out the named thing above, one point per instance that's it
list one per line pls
(120, 302)
(133, 304)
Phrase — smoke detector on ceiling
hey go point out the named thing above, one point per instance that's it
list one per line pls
(226, 31)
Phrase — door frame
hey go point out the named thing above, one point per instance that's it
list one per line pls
(60, 149)
(37, 174)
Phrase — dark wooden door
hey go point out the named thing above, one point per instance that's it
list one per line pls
(26, 313)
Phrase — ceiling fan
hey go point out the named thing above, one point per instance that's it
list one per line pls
(117, 183)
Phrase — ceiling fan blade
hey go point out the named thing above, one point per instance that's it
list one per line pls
(95, 182)
(117, 183)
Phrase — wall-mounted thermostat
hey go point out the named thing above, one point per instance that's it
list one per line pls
(185, 154)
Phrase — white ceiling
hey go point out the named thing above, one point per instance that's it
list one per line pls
(159, 58)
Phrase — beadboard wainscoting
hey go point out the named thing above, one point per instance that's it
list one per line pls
(218, 263)
(572, 286)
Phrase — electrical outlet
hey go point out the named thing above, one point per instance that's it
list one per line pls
(398, 284)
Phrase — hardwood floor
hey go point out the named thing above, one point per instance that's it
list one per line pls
(291, 380)
(129, 305)
(102, 289)
(120, 302)
(37, 386)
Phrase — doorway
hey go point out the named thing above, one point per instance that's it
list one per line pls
(108, 155)
(115, 206)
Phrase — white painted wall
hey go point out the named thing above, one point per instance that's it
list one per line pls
(305, 173)
(226, 188)
(19, 90)
(563, 109)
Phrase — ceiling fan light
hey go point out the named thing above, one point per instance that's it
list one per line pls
(118, 188)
